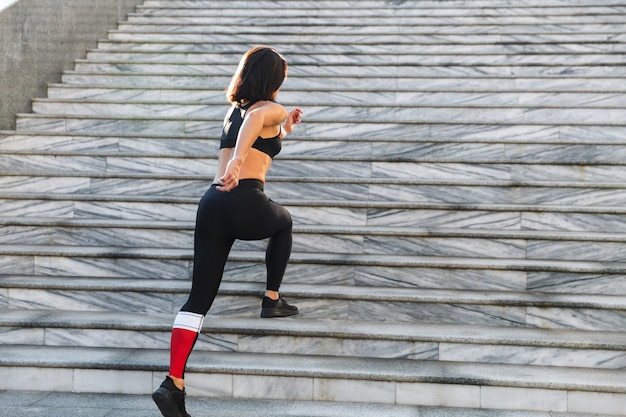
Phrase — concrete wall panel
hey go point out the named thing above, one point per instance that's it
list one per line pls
(39, 39)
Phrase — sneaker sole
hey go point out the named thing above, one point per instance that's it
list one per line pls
(166, 403)
(271, 313)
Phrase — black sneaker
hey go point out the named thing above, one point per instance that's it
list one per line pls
(277, 308)
(170, 399)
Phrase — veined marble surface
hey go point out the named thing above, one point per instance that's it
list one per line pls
(419, 149)
(403, 43)
(157, 115)
(475, 119)
(464, 24)
(583, 319)
(31, 184)
(225, 64)
(337, 309)
(399, 25)
(584, 131)
(540, 77)
(577, 283)
(407, 9)
(498, 194)
(536, 356)
(294, 96)
(436, 54)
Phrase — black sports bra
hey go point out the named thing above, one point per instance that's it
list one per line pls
(232, 124)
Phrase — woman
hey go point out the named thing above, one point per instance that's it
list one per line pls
(236, 207)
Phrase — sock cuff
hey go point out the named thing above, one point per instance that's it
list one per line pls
(188, 321)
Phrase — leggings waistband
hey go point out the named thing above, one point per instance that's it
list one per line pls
(247, 183)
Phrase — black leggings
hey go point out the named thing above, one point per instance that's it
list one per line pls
(244, 213)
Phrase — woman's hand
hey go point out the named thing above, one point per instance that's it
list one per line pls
(230, 179)
(293, 118)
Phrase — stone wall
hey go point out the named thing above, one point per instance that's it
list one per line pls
(39, 39)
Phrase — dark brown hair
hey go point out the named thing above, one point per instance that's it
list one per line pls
(260, 73)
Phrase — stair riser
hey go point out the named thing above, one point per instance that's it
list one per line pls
(428, 8)
(501, 41)
(295, 388)
(494, 195)
(390, 98)
(362, 217)
(327, 346)
(468, 47)
(413, 25)
(535, 55)
(334, 27)
(419, 151)
(509, 78)
(155, 113)
(424, 171)
(565, 159)
(455, 246)
(346, 8)
(402, 312)
(575, 197)
(199, 54)
(94, 145)
(311, 192)
(401, 217)
(331, 130)
(575, 282)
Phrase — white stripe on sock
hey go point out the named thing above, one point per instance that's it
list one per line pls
(188, 321)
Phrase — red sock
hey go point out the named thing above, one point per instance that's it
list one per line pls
(184, 335)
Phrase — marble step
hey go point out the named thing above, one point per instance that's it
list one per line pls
(430, 65)
(293, 97)
(521, 113)
(157, 209)
(384, 121)
(148, 113)
(424, 14)
(411, 272)
(501, 61)
(315, 168)
(521, 62)
(449, 6)
(150, 98)
(368, 26)
(294, 377)
(306, 148)
(458, 343)
(479, 44)
(369, 270)
(360, 79)
(610, 43)
(529, 24)
(390, 270)
(376, 170)
(583, 130)
(176, 145)
(397, 240)
(571, 194)
(25, 403)
(323, 276)
(330, 9)
(528, 309)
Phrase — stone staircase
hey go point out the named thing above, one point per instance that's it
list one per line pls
(457, 188)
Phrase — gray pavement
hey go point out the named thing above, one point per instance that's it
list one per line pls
(63, 404)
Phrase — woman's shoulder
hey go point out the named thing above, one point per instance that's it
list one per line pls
(267, 105)
(270, 108)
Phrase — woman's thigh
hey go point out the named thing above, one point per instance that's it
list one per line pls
(253, 216)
